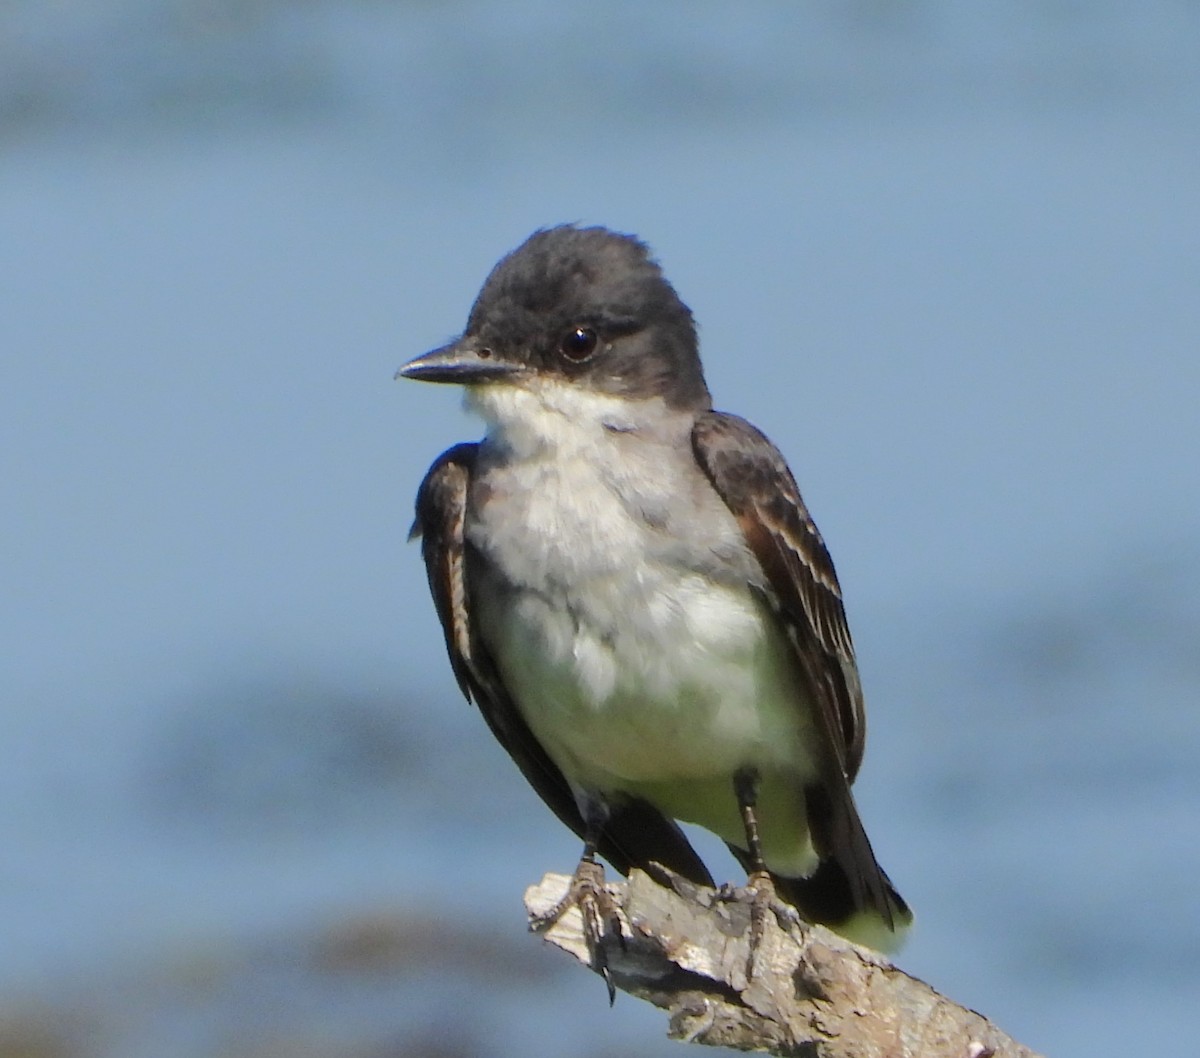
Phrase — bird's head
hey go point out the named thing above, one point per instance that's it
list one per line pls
(585, 307)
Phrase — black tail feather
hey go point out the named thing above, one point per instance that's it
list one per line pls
(827, 897)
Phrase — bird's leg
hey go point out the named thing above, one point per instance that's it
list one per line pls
(588, 893)
(745, 788)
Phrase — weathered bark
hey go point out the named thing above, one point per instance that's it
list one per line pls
(686, 949)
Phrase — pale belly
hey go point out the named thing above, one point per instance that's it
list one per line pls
(662, 687)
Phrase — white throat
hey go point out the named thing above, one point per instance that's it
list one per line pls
(558, 417)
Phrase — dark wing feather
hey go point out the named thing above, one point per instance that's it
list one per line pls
(635, 832)
(755, 483)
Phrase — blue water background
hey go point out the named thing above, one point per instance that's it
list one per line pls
(946, 255)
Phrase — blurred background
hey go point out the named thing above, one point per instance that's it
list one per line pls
(947, 255)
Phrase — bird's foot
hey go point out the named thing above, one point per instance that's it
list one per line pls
(760, 893)
(601, 920)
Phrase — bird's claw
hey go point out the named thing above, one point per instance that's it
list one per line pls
(601, 918)
(760, 894)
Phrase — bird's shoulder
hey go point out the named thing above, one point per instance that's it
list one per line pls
(753, 479)
(755, 482)
(442, 494)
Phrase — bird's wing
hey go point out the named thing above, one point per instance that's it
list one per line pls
(756, 485)
(635, 833)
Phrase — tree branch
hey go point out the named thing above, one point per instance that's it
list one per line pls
(686, 949)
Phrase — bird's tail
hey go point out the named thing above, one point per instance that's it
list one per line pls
(848, 891)
(827, 897)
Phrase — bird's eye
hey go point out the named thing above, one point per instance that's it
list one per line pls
(578, 344)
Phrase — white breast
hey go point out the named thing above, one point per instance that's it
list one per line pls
(632, 659)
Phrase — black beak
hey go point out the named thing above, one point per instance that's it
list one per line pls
(464, 361)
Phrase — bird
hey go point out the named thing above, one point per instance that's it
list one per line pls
(634, 594)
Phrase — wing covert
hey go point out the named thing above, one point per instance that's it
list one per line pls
(754, 481)
(440, 521)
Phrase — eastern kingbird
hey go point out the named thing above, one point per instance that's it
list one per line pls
(634, 593)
